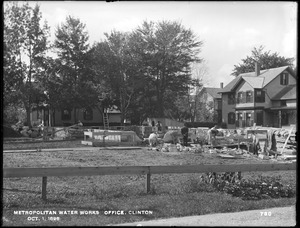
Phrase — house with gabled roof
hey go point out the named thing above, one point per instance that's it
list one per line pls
(265, 97)
(210, 100)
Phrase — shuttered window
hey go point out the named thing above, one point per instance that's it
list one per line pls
(239, 97)
(284, 79)
(249, 96)
(231, 98)
(231, 118)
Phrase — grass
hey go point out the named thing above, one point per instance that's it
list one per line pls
(172, 195)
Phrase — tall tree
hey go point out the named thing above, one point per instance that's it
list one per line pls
(72, 48)
(25, 46)
(167, 50)
(126, 79)
(266, 60)
(119, 69)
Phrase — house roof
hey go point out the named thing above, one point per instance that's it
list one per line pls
(259, 81)
(231, 85)
(255, 82)
(214, 92)
(287, 93)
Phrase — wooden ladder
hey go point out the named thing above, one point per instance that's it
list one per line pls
(105, 120)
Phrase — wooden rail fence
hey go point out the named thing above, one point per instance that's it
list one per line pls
(137, 170)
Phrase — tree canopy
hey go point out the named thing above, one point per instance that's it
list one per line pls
(266, 59)
(167, 50)
(25, 46)
(145, 72)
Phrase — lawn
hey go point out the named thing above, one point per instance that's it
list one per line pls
(172, 195)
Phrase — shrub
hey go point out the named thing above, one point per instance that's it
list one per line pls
(262, 187)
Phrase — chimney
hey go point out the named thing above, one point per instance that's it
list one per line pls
(257, 69)
(221, 85)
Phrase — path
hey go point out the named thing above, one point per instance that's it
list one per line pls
(279, 216)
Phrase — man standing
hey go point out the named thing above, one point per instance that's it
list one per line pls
(185, 134)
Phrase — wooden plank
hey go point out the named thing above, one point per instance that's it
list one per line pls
(220, 168)
(44, 188)
(124, 170)
(106, 133)
(74, 171)
(51, 150)
(227, 156)
(257, 131)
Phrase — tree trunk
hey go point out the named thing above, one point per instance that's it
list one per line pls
(75, 116)
(28, 119)
(122, 102)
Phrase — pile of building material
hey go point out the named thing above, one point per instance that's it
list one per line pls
(261, 143)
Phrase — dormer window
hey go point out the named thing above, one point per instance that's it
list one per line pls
(284, 79)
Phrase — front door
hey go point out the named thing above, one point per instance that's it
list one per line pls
(248, 119)
(259, 118)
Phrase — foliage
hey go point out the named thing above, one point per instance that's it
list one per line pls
(266, 60)
(25, 46)
(145, 73)
(14, 113)
(262, 187)
(73, 75)
(166, 49)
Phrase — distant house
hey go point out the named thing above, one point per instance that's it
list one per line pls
(65, 117)
(267, 98)
(210, 105)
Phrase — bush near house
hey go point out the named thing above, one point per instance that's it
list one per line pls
(11, 133)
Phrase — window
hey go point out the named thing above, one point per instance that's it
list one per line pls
(231, 118)
(231, 98)
(259, 96)
(249, 97)
(282, 103)
(284, 118)
(284, 79)
(239, 98)
(66, 114)
(88, 114)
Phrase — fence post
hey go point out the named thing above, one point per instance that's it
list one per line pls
(148, 176)
(44, 188)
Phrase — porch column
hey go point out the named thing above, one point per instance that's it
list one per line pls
(279, 118)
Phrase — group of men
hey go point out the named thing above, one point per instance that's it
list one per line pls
(153, 137)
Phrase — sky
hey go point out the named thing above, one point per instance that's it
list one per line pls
(229, 29)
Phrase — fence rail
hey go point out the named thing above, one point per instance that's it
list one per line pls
(138, 170)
